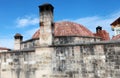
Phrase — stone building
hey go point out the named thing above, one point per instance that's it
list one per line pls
(116, 28)
(62, 50)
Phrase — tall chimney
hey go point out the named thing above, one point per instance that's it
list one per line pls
(46, 22)
(17, 41)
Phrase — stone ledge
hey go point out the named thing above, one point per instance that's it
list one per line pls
(88, 43)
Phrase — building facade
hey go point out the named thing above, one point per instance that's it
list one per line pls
(62, 50)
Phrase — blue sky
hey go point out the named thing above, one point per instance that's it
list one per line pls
(22, 16)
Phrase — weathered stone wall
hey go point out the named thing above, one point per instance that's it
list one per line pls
(74, 39)
(88, 61)
(44, 62)
(112, 54)
(29, 44)
(17, 65)
(80, 61)
(60, 40)
(95, 60)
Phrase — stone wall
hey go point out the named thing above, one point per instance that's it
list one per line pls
(17, 65)
(29, 44)
(60, 40)
(75, 39)
(90, 60)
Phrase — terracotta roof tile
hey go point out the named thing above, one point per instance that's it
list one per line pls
(71, 29)
(103, 34)
(66, 28)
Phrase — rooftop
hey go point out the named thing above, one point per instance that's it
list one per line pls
(66, 28)
(117, 21)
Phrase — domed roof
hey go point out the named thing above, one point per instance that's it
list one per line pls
(66, 28)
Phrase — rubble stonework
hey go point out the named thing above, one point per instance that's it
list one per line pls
(71, 61)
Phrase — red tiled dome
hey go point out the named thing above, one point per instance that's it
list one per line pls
(68, 29)
(116, 37)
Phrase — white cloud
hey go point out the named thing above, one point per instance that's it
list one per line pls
(93, 21)
(8, 42)
(27, 21)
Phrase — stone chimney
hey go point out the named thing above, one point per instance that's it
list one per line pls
(17, 41)
(46, 22)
